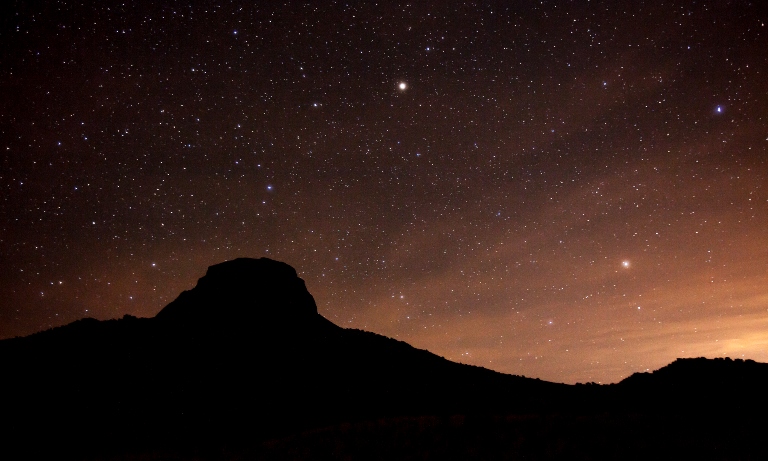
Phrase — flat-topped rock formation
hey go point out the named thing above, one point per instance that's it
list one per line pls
(251, 291)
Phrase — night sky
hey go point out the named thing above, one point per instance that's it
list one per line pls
(573, 191)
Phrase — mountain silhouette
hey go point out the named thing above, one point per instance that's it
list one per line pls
(244, 357)
(247, 292)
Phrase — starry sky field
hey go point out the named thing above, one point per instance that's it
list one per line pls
(573, 191)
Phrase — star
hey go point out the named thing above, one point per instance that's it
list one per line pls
(382, 177)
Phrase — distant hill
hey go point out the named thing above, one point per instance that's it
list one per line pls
(244, 358)
(700, 385)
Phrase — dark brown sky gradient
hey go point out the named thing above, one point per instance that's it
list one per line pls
(573, 191)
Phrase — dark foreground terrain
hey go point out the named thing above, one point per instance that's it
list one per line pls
(243, 367)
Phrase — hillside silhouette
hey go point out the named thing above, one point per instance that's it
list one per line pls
(243, 363)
